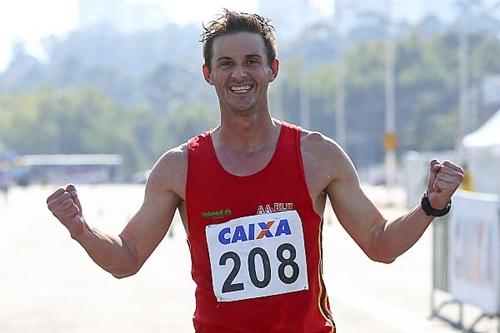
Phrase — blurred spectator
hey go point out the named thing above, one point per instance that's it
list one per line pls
(4, 182)
(468, 182)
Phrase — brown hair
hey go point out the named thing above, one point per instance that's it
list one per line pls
(231, 22)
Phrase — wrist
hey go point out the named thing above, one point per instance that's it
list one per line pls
(431, 210)
(76, 229)
(436, 201)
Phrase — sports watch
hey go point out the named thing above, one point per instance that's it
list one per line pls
(427, 208)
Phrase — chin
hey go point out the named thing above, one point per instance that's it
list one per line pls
(243, 108)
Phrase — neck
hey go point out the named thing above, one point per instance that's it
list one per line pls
(247, 134)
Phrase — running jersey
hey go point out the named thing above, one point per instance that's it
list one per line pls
(214, 198)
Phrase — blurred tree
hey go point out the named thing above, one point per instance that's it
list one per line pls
(427, 91)
(138, 95)
(74, 121)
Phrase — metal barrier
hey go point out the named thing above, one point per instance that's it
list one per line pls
(441, 282)
(440, 233)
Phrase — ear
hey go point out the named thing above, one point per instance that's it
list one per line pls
(207, 74)
(275, 67)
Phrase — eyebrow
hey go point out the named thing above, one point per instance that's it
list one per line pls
(224, 58)
(246, 56)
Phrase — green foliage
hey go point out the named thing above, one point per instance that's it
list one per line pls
(73, 121)
(139, 105)
(427, 91)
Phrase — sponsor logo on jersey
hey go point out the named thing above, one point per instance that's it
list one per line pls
(217, 214)
(254, 231)
(277, 207)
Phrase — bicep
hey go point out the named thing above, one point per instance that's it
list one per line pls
(150, 224)
(356, 213)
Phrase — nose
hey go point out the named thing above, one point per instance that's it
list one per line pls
(239, 72)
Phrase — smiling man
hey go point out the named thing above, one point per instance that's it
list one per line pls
(251, 194)
(240, 71)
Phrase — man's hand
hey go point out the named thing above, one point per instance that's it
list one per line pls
(444, 179)
(66, 207)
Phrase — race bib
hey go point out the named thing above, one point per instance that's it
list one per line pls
(257, 256)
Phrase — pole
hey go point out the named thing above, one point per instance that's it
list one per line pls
(305, 110)
(304, 107)
(463, 57)
(340, 124)
(390, 138)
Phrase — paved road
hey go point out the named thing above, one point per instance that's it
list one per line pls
(48, 284)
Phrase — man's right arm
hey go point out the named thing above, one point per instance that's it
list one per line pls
(123, 255)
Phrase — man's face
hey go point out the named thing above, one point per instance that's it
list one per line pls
(240, 71)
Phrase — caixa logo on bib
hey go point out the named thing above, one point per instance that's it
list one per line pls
(257, 256)
(253, 231)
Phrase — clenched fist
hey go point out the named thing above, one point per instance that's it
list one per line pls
(444, 179)
(66, 207)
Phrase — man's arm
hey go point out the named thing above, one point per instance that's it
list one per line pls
(382, 240)
(123, 255)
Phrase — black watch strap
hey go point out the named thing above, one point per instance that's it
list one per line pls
(427, 208)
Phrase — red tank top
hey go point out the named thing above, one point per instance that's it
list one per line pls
(215, 196)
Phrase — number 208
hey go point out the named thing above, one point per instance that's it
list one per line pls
(230, 286)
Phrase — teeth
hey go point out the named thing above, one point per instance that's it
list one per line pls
(241, 89)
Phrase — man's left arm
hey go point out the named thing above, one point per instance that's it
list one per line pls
(399, 235)
(380, 239)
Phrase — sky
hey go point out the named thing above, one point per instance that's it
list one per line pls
(30, 20)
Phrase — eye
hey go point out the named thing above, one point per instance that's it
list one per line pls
(225, 63)
(252, 61)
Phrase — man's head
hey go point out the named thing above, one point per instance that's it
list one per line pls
(232, 22)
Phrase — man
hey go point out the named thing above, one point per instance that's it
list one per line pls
(251, 194)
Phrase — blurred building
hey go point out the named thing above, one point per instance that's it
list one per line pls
(369, 19)
(489, 97)
(483, 102)
(124, 16)
(290, 17)
(64, 168)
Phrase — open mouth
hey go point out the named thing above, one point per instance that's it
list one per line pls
(241, 89)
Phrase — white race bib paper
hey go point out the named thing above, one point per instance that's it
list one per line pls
(257, 256)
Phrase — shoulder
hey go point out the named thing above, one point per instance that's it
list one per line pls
(319, 146)
(169, 172)
(324, 157)
(173, 159)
